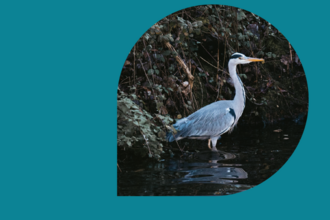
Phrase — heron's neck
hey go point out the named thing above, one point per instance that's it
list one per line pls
(239, 99)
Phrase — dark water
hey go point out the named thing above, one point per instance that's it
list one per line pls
(245, 158)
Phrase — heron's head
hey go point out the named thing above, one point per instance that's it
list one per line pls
(239, 58)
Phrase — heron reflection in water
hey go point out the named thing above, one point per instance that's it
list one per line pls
(212, 121)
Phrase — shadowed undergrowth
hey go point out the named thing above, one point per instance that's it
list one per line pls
(180, 65)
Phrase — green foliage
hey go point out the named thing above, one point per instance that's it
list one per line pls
(137, 127)
(205, 37)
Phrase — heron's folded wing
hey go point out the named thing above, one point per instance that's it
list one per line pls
(212, 121)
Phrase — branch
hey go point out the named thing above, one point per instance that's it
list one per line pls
(182, 64)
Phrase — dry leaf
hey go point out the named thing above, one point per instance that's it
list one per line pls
(139, 170)
(163, 110)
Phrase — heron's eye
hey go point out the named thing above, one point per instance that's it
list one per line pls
(240, 58)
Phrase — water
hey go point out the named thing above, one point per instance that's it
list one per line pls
(245, 158)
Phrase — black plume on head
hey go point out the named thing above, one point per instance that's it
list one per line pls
(235, 55)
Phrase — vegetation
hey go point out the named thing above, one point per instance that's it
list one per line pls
(180, 65)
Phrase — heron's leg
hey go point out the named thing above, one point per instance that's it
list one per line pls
(209, 145)
(214, 143)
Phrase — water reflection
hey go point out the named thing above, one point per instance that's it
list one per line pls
(245, 158)
(210, 171)
(214, 156)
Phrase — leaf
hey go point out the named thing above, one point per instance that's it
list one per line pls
(136, 123)
(181, 20)
(269, 54)
(166, 52)
(157, 31)
(161, 57)
(150, 71)
(243, 75)
(194, 24)
(240, 15)
(161, 134)
(240, 36)
(269, 84)
(160, 116)
(147, 36)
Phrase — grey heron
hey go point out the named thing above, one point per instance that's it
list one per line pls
(212, 121)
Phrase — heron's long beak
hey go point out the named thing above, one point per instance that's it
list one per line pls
(252, 59)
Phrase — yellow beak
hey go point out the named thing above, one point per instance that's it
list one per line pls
(251, 59)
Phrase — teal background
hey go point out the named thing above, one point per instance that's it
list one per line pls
(60, 64)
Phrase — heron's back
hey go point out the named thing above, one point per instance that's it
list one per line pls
(209, 121)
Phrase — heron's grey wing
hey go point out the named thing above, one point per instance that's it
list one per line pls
(211, 121)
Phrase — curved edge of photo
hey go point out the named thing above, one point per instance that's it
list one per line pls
(211, 100)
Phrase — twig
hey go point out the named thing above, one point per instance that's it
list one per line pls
(200, 84)
(170, 129)
(223, 64)
(184, 103)
(206, 51)
(291, 65)
(145, 46)
(149, 60)
(134, 66)
(182, 64)
(217, 79)
(184, 56)
(255, 64)
(236, 27)
(151, 86)
(118, 167)
(122, 82)
(214, 66)
(196, 102)
(145, 140)
(177, 143)
(251, 95)
(191, 93)
(204, 11)
(285, 101)
(290, 51)
(189, 71)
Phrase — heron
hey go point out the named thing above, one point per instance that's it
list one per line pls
(213, 120)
